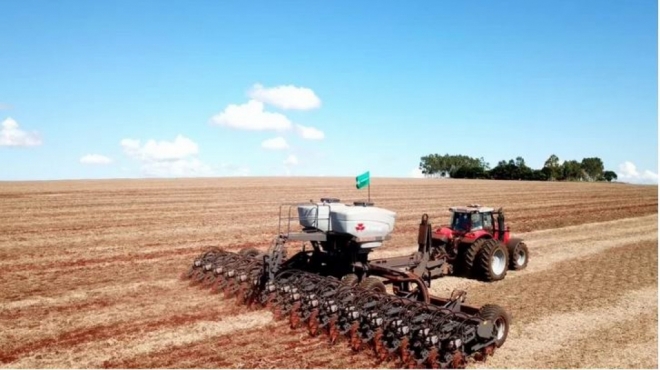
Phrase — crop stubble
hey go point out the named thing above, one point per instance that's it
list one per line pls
(89, 268)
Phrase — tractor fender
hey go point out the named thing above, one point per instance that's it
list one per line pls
(513, 242)
(518, 254)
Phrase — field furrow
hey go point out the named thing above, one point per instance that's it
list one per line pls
(90, 271)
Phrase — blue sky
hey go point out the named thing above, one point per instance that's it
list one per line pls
(198, 88)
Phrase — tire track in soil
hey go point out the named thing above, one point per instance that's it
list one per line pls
(81, 295)
(576, 284)
(551, 334)
(27, 332)
(37, 283)
(140, 322)
(53, 282)
(151, 254)
(154, 336)
(285, 348)
(632, 343)
(109, 254)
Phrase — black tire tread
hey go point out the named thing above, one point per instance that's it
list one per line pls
(512, 256)
(470, 253)
(483, 263)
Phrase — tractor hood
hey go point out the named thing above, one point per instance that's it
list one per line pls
(443, 233)
(447, 235)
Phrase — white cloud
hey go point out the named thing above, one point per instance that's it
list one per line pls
(12, 135)
(628, 172)
(286, 97)
(251, 116)
(276, 143)
(167, 158)
(95, 159)
(153, 150)
(416, 173)
(291, 160)
(310, 133)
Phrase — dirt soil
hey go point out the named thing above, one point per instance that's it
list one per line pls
(90, 271)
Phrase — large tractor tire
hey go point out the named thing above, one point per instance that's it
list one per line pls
(518, 256)
(501, 321)
(372, 283)
(468, 257)
(492, 260)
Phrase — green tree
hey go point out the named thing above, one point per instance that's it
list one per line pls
(483, 164)
(427, 165)
(571, 171)
(435, 164)
(539, 175)
(593, 168)
(552, 168)
(609, 176)
(463, 166)
(524, 172)
(505, 171)
(470, 172)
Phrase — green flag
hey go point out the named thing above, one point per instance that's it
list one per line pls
(362, 180)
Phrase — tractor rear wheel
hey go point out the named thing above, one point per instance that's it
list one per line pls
(501, 321)
(469, 255)
(518, 256)
(493, 260)
(372, 283)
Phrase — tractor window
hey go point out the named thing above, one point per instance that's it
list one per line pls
(488, 221)
(461, 222)
(476, 221)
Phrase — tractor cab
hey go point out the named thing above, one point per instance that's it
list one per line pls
(470, 219)
(473, 221)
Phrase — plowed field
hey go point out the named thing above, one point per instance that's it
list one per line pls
(90, 271)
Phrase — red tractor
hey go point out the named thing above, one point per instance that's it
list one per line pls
(478, 244)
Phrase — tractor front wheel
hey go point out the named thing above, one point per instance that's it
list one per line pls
(518, 256)
(468, 255)
(493, 260)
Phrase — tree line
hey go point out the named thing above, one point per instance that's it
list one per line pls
(465, 167)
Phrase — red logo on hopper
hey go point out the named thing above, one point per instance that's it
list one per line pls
(359, 227)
